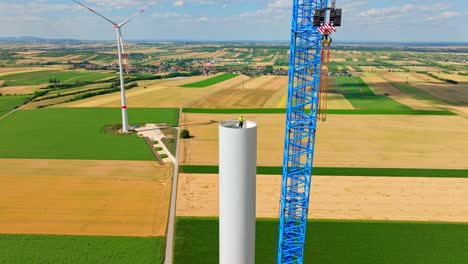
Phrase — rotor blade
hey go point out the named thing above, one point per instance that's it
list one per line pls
(92, 10)
(128, 20)
(137, 14)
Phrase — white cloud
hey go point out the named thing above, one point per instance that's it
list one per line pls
(178, 3)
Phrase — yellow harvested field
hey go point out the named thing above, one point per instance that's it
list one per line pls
(411, 78)
(337, 101)
(263, 64)
(78, 197)
(375, 141)
(404, 62)
(160, 94)
(8, 71)
(148, 50)
(333, 59)
(456, 77)
(351, 198)
(29, 89)
(371, 69)
(380, 86)
(264, 91)
(188, 55)
(423, 68)
(350, 68)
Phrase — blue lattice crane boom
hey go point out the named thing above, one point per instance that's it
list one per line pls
(309, 19)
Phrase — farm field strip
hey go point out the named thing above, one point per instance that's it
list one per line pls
(329, 111)
(264, 91)
(375, 141)
(129, 198)
(351, 198)
(71, 133)
(165, 93)
(449, 96)
(43, 77)
(210, 81)
(381, 87)
(337, 171)
(362, 97)
(352, 242)
(81, 249)
(22, 89)
(10, 102)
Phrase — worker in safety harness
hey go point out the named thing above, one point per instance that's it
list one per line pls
(241, 121)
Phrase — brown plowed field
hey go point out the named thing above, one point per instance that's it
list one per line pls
(77, 197)
(360, 198)
(388, 141)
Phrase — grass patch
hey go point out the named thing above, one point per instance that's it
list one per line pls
(10, 102)
(382, 172)
(330, 111)
(170, 141)
(77, 133)
(361, 96)
(41, 77)
(360, 242)
(17, 249)
(210, 81)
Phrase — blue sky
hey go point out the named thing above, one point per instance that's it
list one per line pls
(382, 20)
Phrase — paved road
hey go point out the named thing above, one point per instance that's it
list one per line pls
(172, 211)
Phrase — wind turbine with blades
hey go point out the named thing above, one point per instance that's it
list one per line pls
(122, 60)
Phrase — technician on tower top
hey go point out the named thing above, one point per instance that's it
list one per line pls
(241, 121)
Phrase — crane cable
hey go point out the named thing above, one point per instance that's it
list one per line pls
(325, 66)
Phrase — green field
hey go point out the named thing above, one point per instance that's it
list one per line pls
(10, 102)
(43, 77)
(375, 172)
(77, 133)
(329, 111)
(210, 81)
(361, 96)
(336, 242)
(41, 249)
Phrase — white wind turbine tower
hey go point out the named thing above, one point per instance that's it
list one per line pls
(122, 57)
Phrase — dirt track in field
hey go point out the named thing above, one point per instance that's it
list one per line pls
(359, 198)
(382, 141)
(77, 197)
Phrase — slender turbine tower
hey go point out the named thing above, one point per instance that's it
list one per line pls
(122, 58)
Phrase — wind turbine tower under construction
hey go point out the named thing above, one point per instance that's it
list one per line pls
(122, 59)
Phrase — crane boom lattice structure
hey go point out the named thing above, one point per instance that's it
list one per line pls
(305, 69)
